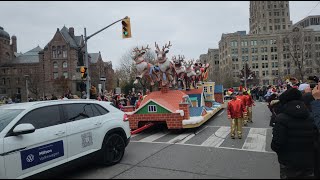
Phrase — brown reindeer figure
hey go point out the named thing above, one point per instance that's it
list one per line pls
(165, 65)
(190, 74)
(180, 70)
(143, 68)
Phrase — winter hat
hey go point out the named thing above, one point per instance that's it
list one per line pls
(290, 95)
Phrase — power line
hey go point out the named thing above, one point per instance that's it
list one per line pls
(313, 8)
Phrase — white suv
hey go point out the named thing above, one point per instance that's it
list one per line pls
(38, 136)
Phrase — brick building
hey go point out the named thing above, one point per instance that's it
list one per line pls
(51, 70)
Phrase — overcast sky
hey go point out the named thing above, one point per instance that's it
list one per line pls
(192, 27)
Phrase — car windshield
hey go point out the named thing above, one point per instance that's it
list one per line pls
(7, 115)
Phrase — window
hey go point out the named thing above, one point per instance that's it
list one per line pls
(64, 52)
(264, 49)
(270, 27)
(152, 108)
(273, 49)
(64, 64)
(36, 117)
(244, 50)
(244, 43)
(77, 112)
(3, 81)
(65, 74)
(274, 57)
(55, 75)
(307, 38)
(59, 53)
(270, 20)
(211, 90)
(235, 59)
(254, 50)
(101, 109)
(234, 51)
(277, 20)
(205, 89)
(254, 58)
(283, 19)
(245, 58)
(234, 43)
(55, 65)
(54, 52)
(253, 43)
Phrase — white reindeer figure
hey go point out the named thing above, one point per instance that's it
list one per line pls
(165, 65)
(180, 70)
(190, 74)
(143, 68)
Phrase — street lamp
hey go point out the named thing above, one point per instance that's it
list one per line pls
(27, 89)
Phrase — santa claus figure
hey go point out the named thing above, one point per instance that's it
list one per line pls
(236, 112)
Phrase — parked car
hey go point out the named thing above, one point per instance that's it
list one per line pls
(38, 136)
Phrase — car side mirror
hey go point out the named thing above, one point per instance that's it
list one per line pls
(23, 129)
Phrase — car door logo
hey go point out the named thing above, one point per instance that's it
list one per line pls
(30, 158)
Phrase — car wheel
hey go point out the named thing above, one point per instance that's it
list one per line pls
(113, 149)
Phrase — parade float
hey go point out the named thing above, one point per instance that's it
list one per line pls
(184, 100)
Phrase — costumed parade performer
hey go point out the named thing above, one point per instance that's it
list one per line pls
(236, 112)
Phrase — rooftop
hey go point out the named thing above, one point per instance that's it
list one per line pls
(169, 100)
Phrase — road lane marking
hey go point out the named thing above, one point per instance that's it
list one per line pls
(179, 138)
(217, 138)
(186, 139)
(256, 140)
(154, 137)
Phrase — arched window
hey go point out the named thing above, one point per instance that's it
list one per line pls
(64, 52)
(59, 51)
(54, 52)
(55, 65)
(65, 64)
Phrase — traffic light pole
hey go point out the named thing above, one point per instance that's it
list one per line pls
(87, 63)
(86, 53)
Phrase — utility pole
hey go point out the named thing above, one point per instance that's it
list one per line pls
(87, 63)
(86, 53)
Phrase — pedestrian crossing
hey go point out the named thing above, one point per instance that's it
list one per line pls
(253, 139)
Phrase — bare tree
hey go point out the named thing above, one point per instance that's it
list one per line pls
(34, 84)
(60, 85)
(299, 49)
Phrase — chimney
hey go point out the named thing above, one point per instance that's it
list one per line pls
(164, 89)
(71, 31)
(14, 43)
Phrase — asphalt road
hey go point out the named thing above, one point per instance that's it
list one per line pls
(205, 152)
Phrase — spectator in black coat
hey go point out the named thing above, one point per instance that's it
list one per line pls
(294, 137)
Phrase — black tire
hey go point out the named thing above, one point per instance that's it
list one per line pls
(113, 149)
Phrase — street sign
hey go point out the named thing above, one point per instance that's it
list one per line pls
(103, 79)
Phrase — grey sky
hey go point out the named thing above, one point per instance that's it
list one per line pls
(192, 27)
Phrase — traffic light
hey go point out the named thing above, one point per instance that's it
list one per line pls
(83, 71)
(126, 28)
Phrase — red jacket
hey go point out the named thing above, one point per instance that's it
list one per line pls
(244, 100)
(249, 100)
(236, 109)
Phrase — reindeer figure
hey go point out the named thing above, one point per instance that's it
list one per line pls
(190, 74)
(143, 68)
(180, 70)
(165, 65)
(198, 70)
